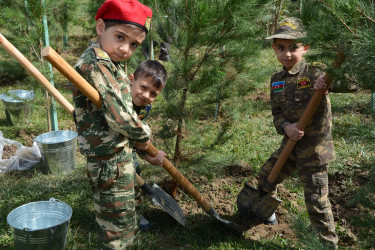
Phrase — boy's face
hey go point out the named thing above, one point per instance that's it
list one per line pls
(288, 52)
(143, 90)
(119, 41)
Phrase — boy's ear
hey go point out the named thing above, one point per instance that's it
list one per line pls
(100, 26)
(131, 78)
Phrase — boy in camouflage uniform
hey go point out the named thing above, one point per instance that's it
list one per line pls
(146, 83)
(105, 135)
(291, 90)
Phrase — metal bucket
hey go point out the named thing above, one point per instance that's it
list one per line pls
(40, 225)
(17, 105)
(58, 149)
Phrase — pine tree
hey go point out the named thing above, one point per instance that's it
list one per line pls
(347, 27)
(344, 26)
(209, 41)
(22, 23)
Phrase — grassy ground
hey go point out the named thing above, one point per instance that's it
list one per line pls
(242, 135)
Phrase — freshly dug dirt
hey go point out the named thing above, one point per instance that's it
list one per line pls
(28, 137)
(222, 194)
(9, 151)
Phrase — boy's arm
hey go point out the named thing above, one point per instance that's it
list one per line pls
(117, 105)
(279, 119)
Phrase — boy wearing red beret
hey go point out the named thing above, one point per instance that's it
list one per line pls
(106, 136)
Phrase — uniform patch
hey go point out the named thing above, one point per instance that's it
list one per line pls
(278, 86)
(319, 65)
(303, 83)
(143, 114)
(100, 54)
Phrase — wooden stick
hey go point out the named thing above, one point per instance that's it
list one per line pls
(73, 76)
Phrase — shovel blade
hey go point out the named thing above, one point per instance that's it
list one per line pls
(251, 201)
(160, 198)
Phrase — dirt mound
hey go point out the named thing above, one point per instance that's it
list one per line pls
(222, 195)
(26, 136)
(9, 151)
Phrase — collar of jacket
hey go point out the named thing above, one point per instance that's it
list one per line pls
(296, 68)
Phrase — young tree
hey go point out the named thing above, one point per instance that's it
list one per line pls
(348, 27)
(209, 40)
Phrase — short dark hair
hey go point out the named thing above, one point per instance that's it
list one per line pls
(152, 69)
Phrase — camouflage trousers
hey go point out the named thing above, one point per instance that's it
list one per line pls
(112, 181)
(315, 186)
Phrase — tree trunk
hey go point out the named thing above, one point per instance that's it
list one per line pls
(177, 150)
(181, 109)
(278, 8)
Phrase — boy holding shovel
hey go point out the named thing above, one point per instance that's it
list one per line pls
(106, 136)
(291, 90)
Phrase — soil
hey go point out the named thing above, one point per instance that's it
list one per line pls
(221, 197)
(9, 151)
(26, 136)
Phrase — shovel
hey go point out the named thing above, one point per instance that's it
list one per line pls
(64, 68)
(161, 199)
(257, 202)
(158, 196)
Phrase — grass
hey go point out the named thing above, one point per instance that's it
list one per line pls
(242, 133)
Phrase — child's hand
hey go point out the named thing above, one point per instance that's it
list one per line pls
(158, 160)
(293, 132)
(142, 146)
(321, 84)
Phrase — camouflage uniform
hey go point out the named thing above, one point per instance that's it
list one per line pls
(290, 93)
(104, 137)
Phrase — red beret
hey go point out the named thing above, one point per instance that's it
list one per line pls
(126, 11)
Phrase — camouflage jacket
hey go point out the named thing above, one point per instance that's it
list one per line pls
(106, 131)
(290, 94)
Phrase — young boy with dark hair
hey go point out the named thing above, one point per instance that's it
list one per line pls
(147, 82)
(291, 90)
(106, 136)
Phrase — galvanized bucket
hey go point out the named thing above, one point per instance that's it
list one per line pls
(40, 225)
(58, 149)
(17, 105)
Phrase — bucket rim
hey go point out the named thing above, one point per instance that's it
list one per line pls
(68, 135)
(29, 203)
(21, 96)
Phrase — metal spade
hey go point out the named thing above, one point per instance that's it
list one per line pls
(161, 199)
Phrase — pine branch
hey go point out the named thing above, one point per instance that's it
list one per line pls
(340, 19)
(361, 12)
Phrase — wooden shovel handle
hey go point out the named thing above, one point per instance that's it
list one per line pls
(303, 121)
(139, 179)
(73, 76)
(36, 74)
(61, 65)
(177, 176)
